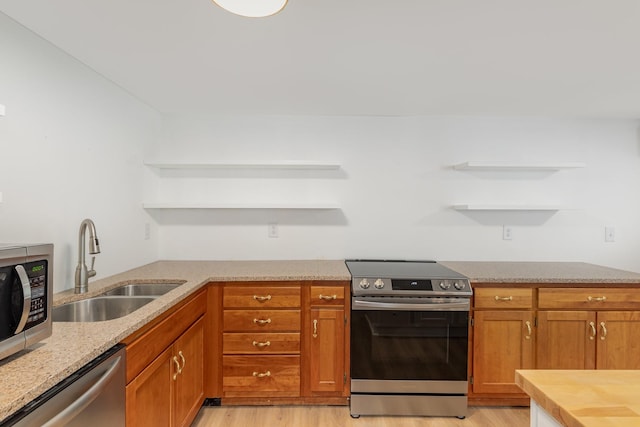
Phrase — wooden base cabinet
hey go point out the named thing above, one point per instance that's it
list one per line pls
(326, 336)
(261, 340)
(279, 342)
(588, 340)
(607, 336)
(503, 340)
(167, 389)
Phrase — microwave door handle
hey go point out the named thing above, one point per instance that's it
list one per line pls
(26, 292)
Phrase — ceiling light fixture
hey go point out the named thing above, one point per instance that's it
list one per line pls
(252, 8)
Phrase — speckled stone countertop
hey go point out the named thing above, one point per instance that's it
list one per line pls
(541, 272)
(31, 372)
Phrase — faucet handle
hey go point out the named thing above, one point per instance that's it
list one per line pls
(91, 271)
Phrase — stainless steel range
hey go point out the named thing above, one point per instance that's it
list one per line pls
(409, 338)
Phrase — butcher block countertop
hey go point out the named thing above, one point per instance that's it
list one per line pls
(31, 372)
(589, 398)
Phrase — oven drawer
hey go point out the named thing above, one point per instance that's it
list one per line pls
(261, 320)
(261, 296)
(503, 298)
(327, 295)
(261, 343)
(250, 376)
(589, 298)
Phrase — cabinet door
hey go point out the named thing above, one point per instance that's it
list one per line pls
(149, 396)
(188, 352)
(327, 352)
(618, 340)
(502, 343)
(566, 340)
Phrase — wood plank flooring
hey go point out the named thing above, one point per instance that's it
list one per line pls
(338, 416)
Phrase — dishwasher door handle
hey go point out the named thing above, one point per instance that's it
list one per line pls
(71, 411)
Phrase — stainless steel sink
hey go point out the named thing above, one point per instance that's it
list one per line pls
(143, 289)
(98, 309)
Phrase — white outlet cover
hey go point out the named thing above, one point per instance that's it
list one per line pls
(3, 110)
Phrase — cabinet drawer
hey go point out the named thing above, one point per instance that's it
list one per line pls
(247, 376)
(261, 343)
(261, 297)
(327, 295)
(261, 320)
(589, 298)
(503, 298)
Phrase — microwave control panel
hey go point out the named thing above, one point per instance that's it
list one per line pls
(37, 273)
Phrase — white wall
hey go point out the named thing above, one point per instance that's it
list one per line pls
(396, 185)
(71, 145)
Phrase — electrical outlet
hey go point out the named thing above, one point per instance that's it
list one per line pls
(507, 232)
(609, 234)
(273, 229)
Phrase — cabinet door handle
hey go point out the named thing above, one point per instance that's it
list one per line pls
(261, 374)
(593, 331)
(184, 362)
(328, 297)
(175, 374)
(528, 336)
(315, 328)
(261, 298)
(261, 344)
(604, 331)
(596, 299)
(509, 298)
(261, 321)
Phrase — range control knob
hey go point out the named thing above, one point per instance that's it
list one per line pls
(364, 284)
(460, 285)
(445, 284)
(379, 284)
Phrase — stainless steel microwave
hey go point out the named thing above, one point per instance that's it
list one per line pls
(26, 287)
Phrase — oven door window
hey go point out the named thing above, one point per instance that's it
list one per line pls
(409, 345)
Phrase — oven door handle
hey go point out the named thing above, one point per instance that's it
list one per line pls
(438, 306)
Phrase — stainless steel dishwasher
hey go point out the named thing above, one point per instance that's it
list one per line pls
(92, 396)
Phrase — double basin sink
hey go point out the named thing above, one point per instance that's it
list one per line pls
(113, 304)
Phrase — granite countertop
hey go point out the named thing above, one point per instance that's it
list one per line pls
(541, 272)
(585, 398)
(31, 372)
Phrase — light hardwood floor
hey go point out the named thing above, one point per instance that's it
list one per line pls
(338, 416)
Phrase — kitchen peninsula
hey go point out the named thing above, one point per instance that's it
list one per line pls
(72, 345)
(582, 398)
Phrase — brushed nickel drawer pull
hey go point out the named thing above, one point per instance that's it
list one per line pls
(528, 336)
(604, 331)
(328, 297)
(261, 374)
(261, 321)
(261, 344)
(593, 331)
(260, 298)
(509, 298)
(175, 374)
(597, 299)
(315, 328)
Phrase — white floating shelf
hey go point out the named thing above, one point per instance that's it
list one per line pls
(483, 207)
(518, 166)
(295, 206)
(280, 165)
